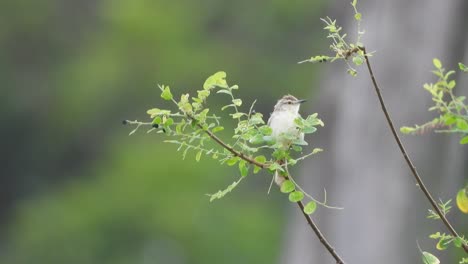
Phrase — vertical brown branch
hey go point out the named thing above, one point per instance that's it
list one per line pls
(414, 172)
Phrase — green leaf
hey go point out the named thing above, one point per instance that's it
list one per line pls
(462, 199)
(224, 91)
(287, 186)
(462, 67)
(310, 207)
(352, 72)
(243, 168)
(296, 196)
(226, 106)
(407, 130)
(157, 120)
(354, 3)
(316, 150)
(428, 258)
(166, 93)
(198, 156)
(443, 243)
(297, 148)
(451, 84)
(237, 102)
(358, 60)
(275, 166)
(458, 242)
(217, 79)
(237, 115)
(256, 169)
(169, 122)
(437, 63)
(265, 130)
(217, 129)
(203, 94)
(232, 161)
(462, 124)
(260, 159)
(156, 111)
(357, 16)
(464, 140)
(257, 139)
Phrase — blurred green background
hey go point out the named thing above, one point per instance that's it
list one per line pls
(75, 188)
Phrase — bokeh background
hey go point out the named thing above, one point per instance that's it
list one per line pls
(75, 188)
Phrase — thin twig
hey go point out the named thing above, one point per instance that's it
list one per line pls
(405, 154)
(320, 236)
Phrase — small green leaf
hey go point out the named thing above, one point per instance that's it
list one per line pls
(462, 124)
(458, 242)
(166, 93)
(256, 169)
(224, 91)
(316, 150)
(260, 159)
(357, 16)
(297, 148)
(443, 243)
(217, 129)
(275, 166)
(265, 130)
(226, 106)
(464, 140)
(462, 199)
(358, 60)
(352, 72)
(198, 156)
(406, 130)
(354, 3)
(217, 79)
(237, 115)
(437, 63)
(257, 139)
(237, 102)
(157, 120)
(287, 186)
(232, 161)
(169, 122)
(428, 258)
(310, 207)
(462, 67)
(243, 168)
(296, 196)
(452, 84)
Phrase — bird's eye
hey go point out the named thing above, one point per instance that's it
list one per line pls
(289, 103)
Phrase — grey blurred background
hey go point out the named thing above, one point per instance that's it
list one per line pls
(76, 189)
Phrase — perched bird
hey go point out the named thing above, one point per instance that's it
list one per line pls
(283, 126)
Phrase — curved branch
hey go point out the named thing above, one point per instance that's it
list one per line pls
(414, 172)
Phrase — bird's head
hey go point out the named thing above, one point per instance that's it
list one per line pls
(288, 103)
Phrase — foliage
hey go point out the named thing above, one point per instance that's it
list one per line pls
(453, 111)
(193, 128)
(351, 53)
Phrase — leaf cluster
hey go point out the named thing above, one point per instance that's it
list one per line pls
(193, 128)
(453, 112)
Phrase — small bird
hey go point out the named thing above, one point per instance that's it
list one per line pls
(282, 122)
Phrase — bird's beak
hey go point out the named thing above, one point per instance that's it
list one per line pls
(301, 101)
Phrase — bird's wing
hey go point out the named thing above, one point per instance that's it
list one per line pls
(269, 119)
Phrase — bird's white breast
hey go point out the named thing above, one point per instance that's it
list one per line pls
(283, 122)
